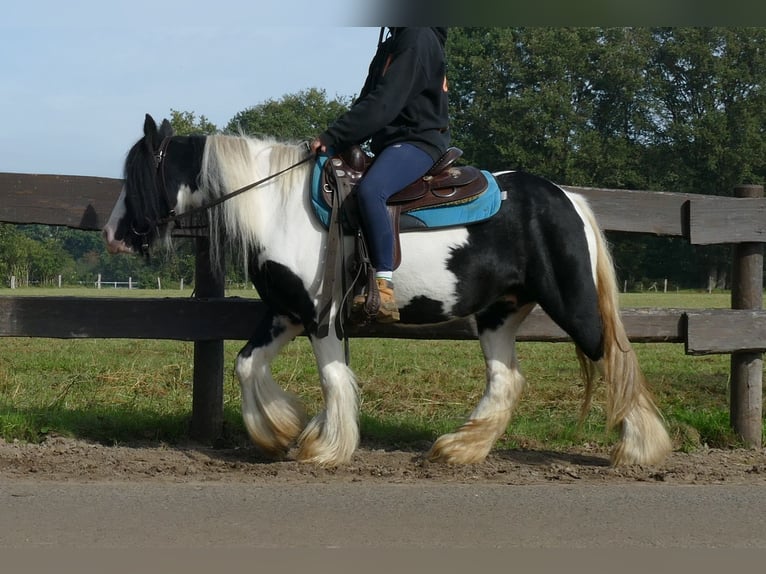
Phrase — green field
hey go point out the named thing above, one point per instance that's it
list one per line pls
(123, 391)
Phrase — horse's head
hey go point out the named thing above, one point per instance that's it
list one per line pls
(154, 187)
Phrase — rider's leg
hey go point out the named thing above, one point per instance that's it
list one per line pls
(393, 169)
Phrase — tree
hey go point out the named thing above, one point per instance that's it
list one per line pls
(675, 109)
(709, 86)
(30, 259)
(297, 116)
(710, 94)
(567, 103)
(187, 123)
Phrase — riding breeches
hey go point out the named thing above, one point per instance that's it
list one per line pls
(394, 168)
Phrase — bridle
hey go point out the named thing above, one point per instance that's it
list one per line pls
(160, 156)
(158, 178)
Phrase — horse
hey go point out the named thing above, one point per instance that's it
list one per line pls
(543, 247)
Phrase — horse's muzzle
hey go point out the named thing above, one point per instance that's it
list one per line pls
(113, 245)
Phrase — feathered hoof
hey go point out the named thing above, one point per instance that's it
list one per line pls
(276, 447)
(644, 440)
(313, 450)
(320, 460)
(625, 454)
(276, 440)
(454, 449)
(270, 452)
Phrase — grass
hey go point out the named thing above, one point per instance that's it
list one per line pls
(111, 292)
(123, 391)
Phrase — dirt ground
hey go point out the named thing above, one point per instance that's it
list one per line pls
(66, 459)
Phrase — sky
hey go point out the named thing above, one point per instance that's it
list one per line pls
(78, 76)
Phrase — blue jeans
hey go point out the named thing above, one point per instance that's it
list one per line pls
(394, 168)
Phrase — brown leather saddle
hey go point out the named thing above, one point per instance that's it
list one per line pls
(444, 184)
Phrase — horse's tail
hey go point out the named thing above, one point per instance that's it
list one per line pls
(630, 407)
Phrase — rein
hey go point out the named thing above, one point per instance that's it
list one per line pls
(172, 217)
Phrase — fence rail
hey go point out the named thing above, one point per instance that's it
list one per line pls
(209, 318)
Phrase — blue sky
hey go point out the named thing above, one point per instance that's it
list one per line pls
(77, 76)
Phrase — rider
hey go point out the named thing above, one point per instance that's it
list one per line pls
(402, 110)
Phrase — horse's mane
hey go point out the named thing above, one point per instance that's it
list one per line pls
(230, 162)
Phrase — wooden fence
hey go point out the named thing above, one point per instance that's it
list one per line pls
(210, 318)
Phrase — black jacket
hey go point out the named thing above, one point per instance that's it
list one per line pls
(404, 98)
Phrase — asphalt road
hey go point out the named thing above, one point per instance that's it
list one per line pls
(44, 514)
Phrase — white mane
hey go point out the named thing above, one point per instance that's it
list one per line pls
(249, 220)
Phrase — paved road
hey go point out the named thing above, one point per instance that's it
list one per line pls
(372, 516)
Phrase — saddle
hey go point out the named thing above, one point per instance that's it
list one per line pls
(443, 185)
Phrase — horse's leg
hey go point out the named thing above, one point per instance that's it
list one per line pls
(273, 417)
(472, 442)
(630, 407)
(332, 436)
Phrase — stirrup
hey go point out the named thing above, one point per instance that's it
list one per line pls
(368, 307)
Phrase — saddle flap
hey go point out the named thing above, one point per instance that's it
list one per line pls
(450, 185)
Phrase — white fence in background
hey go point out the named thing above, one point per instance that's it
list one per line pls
(130, 284)
(99, 283)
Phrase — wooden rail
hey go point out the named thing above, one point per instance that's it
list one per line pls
(210, 318)
(711, 331)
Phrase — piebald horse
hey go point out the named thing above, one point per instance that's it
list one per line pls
(544, 247)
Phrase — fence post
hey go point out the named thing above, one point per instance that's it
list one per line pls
(746, 399)
(207, 393)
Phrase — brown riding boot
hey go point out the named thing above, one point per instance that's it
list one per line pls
(388, 312)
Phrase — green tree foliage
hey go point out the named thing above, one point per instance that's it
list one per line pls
(293, 117)
(708, 87)
(709, 108)
(187, 123)
(38, 259)
(675, 109)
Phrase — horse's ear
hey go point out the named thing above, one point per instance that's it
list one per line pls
(152, 135)
(166, 130)
(150, 128)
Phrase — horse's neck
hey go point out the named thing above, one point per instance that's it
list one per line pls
(274, 219)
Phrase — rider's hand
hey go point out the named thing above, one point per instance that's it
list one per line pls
(317, 146)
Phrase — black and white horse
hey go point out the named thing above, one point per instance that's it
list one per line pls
(543, 247)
